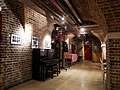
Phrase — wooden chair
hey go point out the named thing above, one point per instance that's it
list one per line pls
(104, 69)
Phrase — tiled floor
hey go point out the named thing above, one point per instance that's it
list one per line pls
(81, 76)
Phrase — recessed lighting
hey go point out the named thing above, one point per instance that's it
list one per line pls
(57, 28)
(82, 29)
(65, 27)
(62, 18)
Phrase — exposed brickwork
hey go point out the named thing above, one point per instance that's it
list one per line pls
(2, 82)
(99, 18)
(37, 21)
(111, 11)
(40, 25)
(17, 9)
(1, 75)
(113, 60)
(16, 60)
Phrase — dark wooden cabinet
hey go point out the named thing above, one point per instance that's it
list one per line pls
(43, 62)
(37, 56)
(36, 64)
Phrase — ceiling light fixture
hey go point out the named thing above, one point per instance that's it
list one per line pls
(65, 27)
(57, 28)
(62, 18)
(82, 31)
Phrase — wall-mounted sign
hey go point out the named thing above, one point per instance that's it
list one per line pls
(34, 42)
(16, 39)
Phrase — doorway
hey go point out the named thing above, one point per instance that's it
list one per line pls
(88, 52)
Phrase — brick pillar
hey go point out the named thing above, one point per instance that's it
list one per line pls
(113, 61)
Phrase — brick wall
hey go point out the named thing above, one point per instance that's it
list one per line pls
(16, 60)
(17, 9)
(37, 22)
(111, 12)
(97, 15)
(113, 61)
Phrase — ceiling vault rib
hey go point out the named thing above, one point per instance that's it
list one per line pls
(58, 6)
(73, 11)
(51, 10)
(71, 8)
(66, 11)
(57, 16)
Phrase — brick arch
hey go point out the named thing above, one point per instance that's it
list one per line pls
(46, 30)
(111, 12)
(97, 15)
(91, 11)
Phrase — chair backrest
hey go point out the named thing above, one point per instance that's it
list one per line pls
(103, 65)
(101, 61)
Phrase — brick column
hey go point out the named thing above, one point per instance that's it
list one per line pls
(113, 61)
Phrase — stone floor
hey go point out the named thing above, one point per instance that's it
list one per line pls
(80, 76)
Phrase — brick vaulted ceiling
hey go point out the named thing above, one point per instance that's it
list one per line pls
(98, 16)
(111, 12)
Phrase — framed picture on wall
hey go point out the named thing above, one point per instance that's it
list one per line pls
(34, 42)
(16, 39)
(47, 44)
